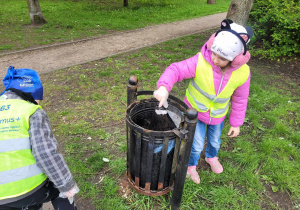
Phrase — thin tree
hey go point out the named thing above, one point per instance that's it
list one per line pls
(239, 11)
(35, 13)
(125, 3)
(211, 1)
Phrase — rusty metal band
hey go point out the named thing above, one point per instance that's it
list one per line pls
(143, 191)
(137, 181)
(147, 187)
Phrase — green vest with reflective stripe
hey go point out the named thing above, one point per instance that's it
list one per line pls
(201, 90)
(19, 173)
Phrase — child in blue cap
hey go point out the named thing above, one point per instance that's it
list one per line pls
(31, 170)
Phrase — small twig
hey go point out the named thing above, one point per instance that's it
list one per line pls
(205, 198)
(108, 169)
(267, 195)
(101, 179)
(123, 103)
(257, 170)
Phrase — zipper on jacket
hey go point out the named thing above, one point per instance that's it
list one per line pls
(223, 74)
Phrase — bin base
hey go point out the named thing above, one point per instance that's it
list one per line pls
(144, 191)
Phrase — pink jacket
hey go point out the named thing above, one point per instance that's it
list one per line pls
(186, 69)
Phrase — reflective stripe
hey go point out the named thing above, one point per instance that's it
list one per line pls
(19, 173)
(200, 106)
(218, 112)
(210, 97)
(14, 144)
(222, 100)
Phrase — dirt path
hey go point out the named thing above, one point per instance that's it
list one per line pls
(53, 57)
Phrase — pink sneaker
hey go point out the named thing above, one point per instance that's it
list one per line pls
(215, 165)
(193, 174)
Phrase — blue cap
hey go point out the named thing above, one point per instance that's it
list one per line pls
(26, 80)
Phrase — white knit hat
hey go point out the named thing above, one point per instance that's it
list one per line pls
(227, 44)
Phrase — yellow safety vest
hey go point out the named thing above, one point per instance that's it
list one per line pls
(201, 90)
(19, 173)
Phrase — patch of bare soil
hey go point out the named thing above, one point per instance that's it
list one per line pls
(280, 199)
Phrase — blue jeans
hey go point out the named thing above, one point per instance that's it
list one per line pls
(213, 141)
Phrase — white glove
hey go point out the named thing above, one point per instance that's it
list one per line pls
(161, 94)
(70, 194)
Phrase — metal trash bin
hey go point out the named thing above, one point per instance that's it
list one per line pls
(158, 146)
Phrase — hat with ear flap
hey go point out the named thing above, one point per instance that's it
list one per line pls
(231, 42)
(25, 80)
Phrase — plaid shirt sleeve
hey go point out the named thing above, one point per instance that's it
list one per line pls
(44, 150)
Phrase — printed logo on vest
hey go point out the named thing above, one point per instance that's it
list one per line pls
(4, 108)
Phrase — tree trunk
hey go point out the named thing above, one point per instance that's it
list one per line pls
(239, 11)
(35, 12)
(211, 1)
(125, 3)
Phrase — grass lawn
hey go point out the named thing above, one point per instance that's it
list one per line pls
(87, 104)
(77, 19)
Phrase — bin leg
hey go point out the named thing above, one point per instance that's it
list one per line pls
(132, 89)
(184, 156)
(131, 97)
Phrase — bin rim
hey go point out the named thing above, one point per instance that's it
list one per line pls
(173, 100)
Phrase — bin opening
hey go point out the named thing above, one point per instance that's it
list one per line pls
(149, 120)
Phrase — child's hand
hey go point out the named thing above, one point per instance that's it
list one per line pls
(161, 94)
(234, 131)
(70, 194)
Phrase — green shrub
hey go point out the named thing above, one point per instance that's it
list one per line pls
(276, 25)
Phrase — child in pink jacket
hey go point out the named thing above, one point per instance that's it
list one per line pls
(219, 77)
